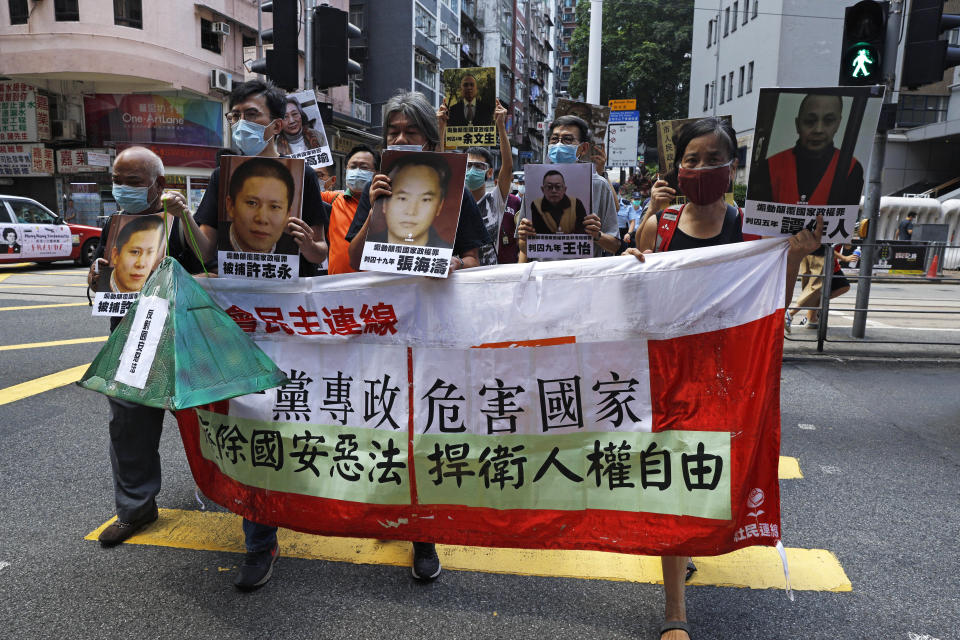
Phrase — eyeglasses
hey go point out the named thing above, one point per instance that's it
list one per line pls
(563, 140)
(483, 166)
(233, 117)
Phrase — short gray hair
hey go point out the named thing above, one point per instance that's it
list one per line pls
(152, 160)
(415, 106)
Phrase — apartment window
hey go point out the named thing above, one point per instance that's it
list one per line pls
(746, 10)
(754, 14)
(733, 24)
(128, 13)
(208, 39)
(750, 77)
(357, 16)
(426, 22)
(19, 11)
(66, 10)
(709, 33)
(730, 88)
(722, 86)
(726, 22)
(740, 84)
(706, 96)
(425, 72)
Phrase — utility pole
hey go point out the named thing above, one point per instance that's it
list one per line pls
(871, 202)
(593, 60)
(307, 46)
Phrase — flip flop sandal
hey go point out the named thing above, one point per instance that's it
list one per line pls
(691, 569)
(675, 625)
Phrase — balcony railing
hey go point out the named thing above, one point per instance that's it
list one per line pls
(360, 110)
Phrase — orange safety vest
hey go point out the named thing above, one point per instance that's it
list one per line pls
(783, 178)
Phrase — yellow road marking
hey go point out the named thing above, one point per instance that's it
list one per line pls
(55, 343)
(40, 286)
(14, 265)
(789, 468)
(39, 385)
(5, 276)
(753, 567)
(46, 306)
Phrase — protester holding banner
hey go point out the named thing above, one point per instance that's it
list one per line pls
(706, 163)
(256, 116)
(360, 164)
(410, 123)
(138, 183)
(570, 142)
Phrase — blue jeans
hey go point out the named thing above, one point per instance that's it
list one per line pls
(258, 537)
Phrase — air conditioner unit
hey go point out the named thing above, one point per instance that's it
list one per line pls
(65, 130)
(454, 39)
(223, 28)
(221, 80)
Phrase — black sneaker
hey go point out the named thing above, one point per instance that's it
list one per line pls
(426, 564)
(256, 569)
(118, 531)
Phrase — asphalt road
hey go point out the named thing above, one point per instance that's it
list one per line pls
(877, 445)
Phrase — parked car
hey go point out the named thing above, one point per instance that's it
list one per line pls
(29, 232)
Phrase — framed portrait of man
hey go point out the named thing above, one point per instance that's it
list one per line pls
(558, 197)
(811, 148)
(471, 95)
(257, 197)
(135, 246)
(413, 230)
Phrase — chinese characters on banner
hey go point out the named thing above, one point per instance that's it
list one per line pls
(513, 418)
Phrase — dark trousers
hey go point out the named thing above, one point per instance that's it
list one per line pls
(135, 457)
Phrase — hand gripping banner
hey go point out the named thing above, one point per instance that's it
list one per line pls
(592, 404)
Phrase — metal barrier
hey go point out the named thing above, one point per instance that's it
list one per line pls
(934, 250)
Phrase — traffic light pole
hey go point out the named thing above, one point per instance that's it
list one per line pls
(871, 203)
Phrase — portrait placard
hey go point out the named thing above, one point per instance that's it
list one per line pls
(135, 246)
(257, 197)
(596, 117)
(558, 197)
(413, 231)
(471, 95)
(811, 148)
(303, 133)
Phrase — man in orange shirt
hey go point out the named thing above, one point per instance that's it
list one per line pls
(361, 163)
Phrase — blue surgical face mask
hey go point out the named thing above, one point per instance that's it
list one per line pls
(405, 147)
(356, 178)
(562, 153)
(131, 199)
(248, 137)
(475, 179)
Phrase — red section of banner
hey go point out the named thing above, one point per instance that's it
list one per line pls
(700, 382)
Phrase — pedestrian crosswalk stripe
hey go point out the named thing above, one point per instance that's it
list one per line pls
(753, 567)
(39, 385)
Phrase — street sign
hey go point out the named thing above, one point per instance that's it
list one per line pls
(622, 105)
(622, 133)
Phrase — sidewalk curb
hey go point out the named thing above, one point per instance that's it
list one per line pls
(842, 358)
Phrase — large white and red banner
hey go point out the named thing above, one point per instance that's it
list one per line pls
(590, 404)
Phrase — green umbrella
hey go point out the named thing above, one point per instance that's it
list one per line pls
(176, 348)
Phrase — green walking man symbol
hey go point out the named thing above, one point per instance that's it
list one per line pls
(860, 63)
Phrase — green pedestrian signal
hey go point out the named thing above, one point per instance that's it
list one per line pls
(864, 35)
(860, 69)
